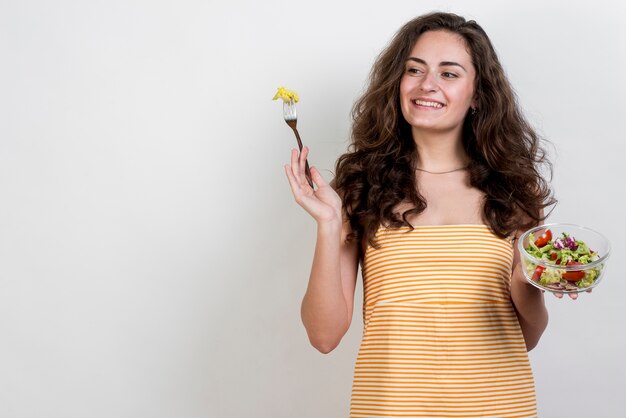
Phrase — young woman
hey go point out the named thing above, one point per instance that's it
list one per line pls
(441, 178)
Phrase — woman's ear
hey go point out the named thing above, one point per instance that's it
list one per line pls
(474, 104)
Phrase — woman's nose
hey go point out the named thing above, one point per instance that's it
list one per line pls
(429, 82)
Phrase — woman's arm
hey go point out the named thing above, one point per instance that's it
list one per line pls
(528, 301)
(329, 299)
(529, 305)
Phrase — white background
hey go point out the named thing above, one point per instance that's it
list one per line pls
(152, 260)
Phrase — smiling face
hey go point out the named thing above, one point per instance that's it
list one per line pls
(437, 87)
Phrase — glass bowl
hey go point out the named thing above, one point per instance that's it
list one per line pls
(545, 274)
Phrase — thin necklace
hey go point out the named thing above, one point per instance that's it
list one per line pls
(442, 172)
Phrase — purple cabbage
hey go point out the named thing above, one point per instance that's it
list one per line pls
(565, 242)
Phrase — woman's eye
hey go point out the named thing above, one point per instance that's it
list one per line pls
(449, 75)
(413, 71)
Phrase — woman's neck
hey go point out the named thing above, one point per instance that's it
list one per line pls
(438, 152)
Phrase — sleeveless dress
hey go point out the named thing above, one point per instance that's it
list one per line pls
(441, 337)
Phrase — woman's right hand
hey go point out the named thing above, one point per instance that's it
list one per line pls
(323, 204)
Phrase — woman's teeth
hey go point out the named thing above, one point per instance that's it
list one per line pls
(429, 104)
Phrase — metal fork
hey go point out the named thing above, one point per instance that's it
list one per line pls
(291, 117)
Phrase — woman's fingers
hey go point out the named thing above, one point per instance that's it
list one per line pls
(297, 180)
(323, 204)
(306, 200)
(293, 182)
(295, 164)
(317, 177)
(303, 165)
(303, 156)
(298, 165)
(301, 162)
(573, 296)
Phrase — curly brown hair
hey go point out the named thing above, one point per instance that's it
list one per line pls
(378, 171)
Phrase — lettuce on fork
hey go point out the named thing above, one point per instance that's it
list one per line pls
(286, 95)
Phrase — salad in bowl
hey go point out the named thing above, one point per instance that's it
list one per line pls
(563, 258)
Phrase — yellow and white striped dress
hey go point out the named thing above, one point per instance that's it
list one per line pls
(441, 337)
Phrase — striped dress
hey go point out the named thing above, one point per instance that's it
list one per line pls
(441, 337)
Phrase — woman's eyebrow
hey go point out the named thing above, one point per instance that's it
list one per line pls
(441, 64)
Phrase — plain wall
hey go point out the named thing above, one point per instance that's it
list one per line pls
(152, 259)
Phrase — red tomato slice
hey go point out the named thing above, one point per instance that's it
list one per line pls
(573, 276)
(538, 272)
(544, 238)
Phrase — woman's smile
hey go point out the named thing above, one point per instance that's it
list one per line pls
(427, 104)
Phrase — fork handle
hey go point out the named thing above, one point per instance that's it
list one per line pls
(307, 171)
